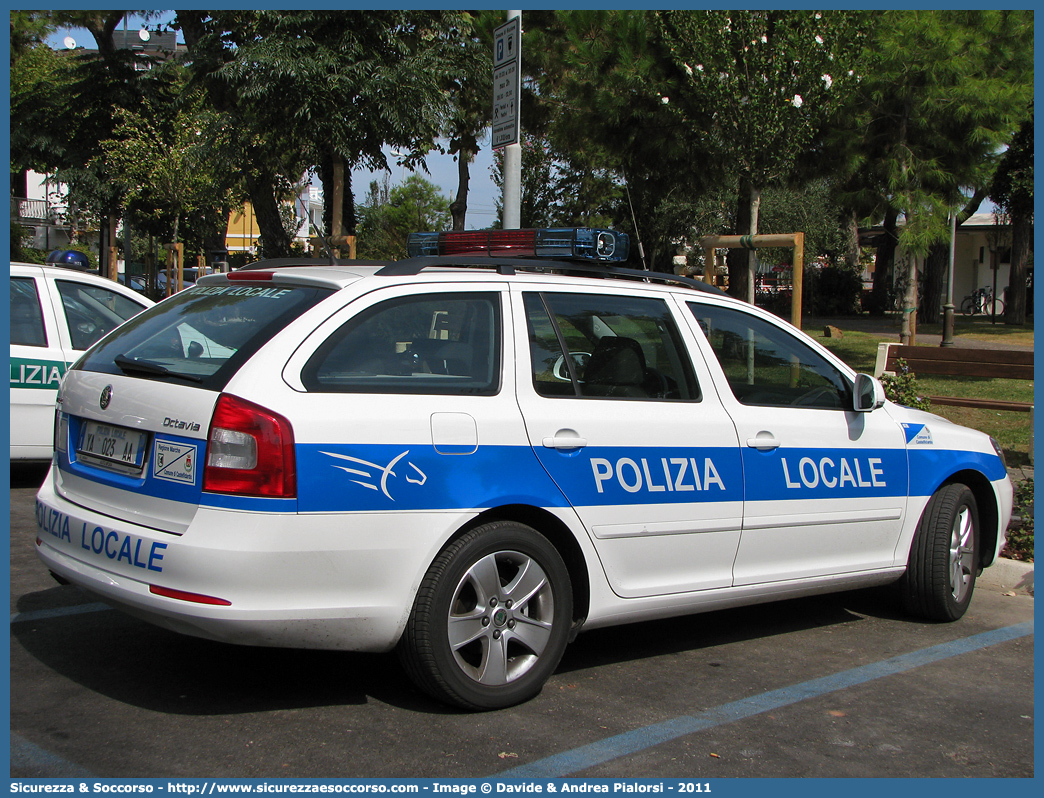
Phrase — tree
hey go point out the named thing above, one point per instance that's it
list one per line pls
(942, 93)
(539, 197)
(601, 99)
(470, 90)
(64, 105)
(176, 183)
(388, 216)
(1013, 191)
(769, 81)
(103, 82)
(324, 88)
(39, 80)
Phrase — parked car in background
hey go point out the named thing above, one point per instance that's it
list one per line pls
(56, 314)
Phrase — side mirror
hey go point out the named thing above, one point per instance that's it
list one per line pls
(868, 394)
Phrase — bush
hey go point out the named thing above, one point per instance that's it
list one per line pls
(902, 388)
(1020, 531)
(832, 291)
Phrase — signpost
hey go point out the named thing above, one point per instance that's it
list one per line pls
(507, 82)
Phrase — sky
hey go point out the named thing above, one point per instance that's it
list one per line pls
(442, 169)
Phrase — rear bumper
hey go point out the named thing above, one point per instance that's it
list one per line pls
(342, 581)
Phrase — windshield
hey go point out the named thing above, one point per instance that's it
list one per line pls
(203, 334)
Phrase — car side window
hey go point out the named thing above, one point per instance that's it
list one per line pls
(616, 347)
(91, 311)
(27, 324)
(425, 344)
(767, 366)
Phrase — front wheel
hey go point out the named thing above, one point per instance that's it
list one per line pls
(969, 306)
(491, 619)
(943, 563)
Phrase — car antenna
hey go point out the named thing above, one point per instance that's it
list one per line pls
(634, 221)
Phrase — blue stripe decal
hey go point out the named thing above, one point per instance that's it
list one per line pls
(339, 477)
(381, 477)
(789, 473)
(613, 475)
(632, 742)
(929, 467)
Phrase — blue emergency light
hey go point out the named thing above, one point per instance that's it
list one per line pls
(563, 243)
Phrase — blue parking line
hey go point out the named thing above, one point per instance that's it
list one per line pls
(35, 762)
(641, 739)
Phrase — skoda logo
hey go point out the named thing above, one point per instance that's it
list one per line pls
(106, 397)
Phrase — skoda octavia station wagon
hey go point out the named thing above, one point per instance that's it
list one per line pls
(473, 454)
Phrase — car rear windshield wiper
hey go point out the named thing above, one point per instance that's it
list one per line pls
(130, 365)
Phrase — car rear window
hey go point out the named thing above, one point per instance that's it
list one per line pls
(203, 334)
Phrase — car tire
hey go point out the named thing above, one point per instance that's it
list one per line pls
(491, 619)
(940, 573)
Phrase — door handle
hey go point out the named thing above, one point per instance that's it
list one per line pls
(564, 439)
(764, 441)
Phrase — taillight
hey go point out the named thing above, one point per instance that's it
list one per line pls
(250, 451)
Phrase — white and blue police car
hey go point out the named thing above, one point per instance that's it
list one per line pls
(472, 454)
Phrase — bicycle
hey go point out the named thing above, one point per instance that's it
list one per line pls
(982, 300)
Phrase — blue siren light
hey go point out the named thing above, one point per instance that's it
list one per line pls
(563, 243)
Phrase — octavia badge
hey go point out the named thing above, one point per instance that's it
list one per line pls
(106, 397)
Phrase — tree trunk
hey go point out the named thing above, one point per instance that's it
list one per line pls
(459, 206)
(935, 267)
(336, 195)
(275, 243)
(755, 210)
(908, 333)
(852, 243)
(1021, 233)
(884, 263)
(741, 285)
(343, 191)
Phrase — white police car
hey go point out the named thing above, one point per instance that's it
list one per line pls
(57, 312)
(471, 457)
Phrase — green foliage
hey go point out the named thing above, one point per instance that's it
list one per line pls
(1012, 187)
(39, 78)
(768, 80)
(305, 89)
(388, 216)
(902, 388)
(176, 183)
(1020, 534)
(942, 94)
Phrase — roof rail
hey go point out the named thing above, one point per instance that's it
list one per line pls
(278, 263)
(509, 266)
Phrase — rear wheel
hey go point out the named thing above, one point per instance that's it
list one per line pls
(940, 573)
(491, 619)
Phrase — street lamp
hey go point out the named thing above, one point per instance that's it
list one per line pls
(947, 339)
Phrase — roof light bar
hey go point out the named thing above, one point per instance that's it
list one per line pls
(574, 243)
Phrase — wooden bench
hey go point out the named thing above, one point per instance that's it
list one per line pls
(960, 362)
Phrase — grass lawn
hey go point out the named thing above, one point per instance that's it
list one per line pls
(1013, 430)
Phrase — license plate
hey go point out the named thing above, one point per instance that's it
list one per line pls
(113, 444)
